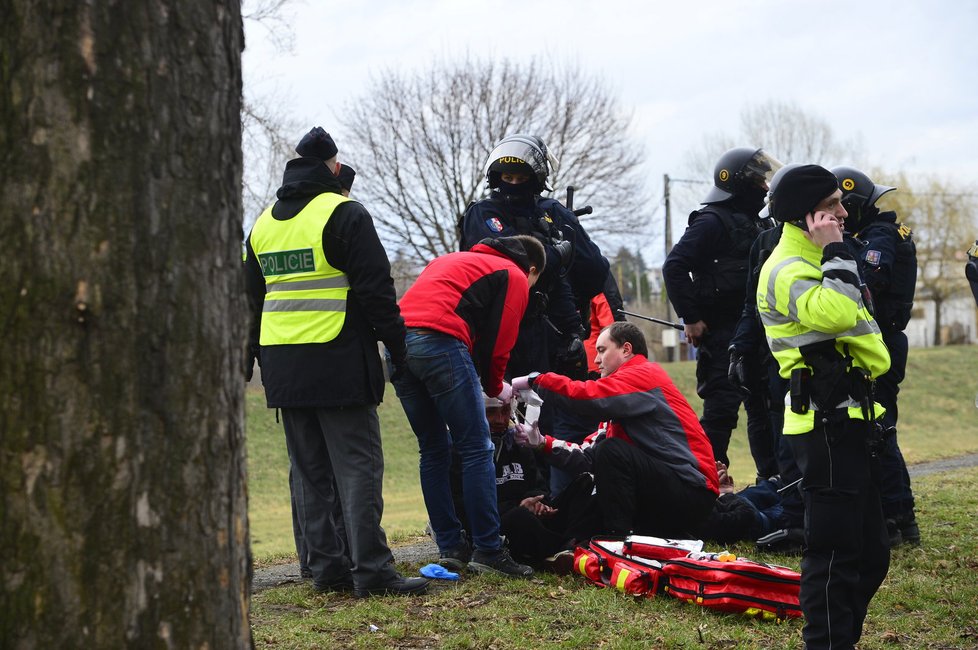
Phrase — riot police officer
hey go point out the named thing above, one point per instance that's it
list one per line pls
(706, 277)
(551, 333)
(971, 270)
(516, 172)
(888, 264)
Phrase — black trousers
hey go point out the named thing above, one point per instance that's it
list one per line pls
(577, 519)
(846, 554)
(721, 404)
(641, 494)
(895, 487)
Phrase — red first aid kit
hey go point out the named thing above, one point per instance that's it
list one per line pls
(646, 566)
(734, 585)
(632, 565)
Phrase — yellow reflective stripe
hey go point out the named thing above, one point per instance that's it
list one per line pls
(338, 282)
(309, 304)
(582, 565)
(772, 281)
(622, 578)
(795, 423)
(781, 343)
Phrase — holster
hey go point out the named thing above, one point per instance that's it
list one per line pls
(829, 383)
(834, 379)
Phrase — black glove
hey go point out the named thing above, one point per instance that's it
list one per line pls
(251, 357)
(736, 372)
(572, 359)
(566, 251)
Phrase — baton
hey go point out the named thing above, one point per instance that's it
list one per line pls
(654, 320)
(789, 485)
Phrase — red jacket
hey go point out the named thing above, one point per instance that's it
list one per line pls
(601, 317)
(477, 296)
(643, 407)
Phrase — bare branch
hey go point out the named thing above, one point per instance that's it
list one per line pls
(422, 139)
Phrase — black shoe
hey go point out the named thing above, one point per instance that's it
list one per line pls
(343, 585)
(397, 587)
(786, 541)
(893, 533)
(499, 562)
(906, 524)
(305, 573)
(457, 558)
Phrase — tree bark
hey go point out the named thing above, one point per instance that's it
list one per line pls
(122, 470)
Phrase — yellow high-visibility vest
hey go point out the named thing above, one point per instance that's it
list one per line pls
(305, 297)
(798, 308)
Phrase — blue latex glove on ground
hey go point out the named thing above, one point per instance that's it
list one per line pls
(437, 571)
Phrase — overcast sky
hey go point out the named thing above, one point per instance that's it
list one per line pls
(899, 77)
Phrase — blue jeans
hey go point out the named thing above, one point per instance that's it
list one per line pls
(442, 398)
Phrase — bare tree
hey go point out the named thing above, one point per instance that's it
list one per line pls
(267, 141)
(783, 129)
(420, 142)
(942, 217)
(267, 131)
(122, 462)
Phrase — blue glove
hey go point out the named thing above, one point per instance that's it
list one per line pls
(437, 571)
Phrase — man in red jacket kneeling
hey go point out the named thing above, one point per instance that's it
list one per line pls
(653, 465)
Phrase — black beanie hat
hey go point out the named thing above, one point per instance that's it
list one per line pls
(801, 188)
(316, 144)
(346, 175)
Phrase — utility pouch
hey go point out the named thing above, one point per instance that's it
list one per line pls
(829, 383)
(801, 390)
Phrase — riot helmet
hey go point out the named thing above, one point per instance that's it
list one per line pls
(767, 211)
(742, 172)
(859, 195)
(858, 190)
(520, 154)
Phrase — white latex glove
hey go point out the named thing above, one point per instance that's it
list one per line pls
(506, 393)
(523, 383)
(528, 435)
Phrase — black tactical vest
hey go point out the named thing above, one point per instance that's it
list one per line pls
(894, 304)
(724, 278)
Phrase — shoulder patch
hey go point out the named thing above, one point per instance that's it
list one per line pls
(873, 257)
(494, 224)
(904, 231)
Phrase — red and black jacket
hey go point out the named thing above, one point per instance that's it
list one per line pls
(477, 296)
(640, 405)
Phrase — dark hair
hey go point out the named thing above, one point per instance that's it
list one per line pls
(624, 332)
(535, 253)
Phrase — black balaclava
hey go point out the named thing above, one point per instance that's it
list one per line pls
(750, 200)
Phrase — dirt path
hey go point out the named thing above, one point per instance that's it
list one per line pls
(426, 551)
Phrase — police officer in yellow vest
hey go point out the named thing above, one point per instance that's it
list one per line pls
(828, 346)
(320, 286)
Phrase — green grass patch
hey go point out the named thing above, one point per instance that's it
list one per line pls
(929, 600)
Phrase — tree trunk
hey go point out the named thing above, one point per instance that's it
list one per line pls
(938, 301)
(123, 503)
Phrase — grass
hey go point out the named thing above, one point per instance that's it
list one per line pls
(929, 599)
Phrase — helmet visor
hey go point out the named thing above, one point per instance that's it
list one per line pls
(760, 168)
(516, 154)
